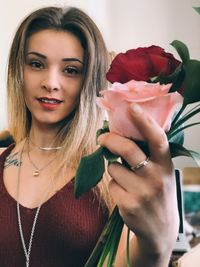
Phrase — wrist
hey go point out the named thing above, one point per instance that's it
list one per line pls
(152, 255)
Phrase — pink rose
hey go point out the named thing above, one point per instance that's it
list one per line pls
(152, 97)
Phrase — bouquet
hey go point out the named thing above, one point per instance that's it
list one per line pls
(164, 87)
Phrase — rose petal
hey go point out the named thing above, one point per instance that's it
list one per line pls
(153, 98)
(141, 64)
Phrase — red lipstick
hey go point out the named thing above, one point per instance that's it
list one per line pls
(49, 103)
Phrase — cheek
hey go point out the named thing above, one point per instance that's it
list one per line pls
(72, 100)
(32, 80)
(72, 93)
(27, 92)
(28, 85)
(27, 101)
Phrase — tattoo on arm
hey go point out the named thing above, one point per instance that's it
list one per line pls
(12, 160)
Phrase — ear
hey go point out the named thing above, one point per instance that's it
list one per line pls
(6, 138)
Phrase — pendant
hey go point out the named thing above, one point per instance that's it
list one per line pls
(36, 173)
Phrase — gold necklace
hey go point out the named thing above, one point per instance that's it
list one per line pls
(45, 148)
(37, 170)
(27, 250)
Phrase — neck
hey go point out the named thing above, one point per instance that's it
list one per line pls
(42, 138)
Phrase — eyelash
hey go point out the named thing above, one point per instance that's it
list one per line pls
(36, 64)
(69, 70)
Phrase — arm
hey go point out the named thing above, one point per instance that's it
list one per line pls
(147, 197)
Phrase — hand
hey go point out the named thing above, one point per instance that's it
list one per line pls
(146, 197)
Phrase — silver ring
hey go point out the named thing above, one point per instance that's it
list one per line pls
(140, 165)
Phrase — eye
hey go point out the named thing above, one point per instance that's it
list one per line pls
(70, 70)
(35, 64)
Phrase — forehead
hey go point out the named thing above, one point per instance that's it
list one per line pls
(59, 44)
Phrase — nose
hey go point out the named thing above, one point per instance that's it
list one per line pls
(51, 81)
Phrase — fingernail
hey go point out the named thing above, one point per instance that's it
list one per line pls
(136, 109)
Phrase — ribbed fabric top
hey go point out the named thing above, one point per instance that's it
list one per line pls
(66, 230)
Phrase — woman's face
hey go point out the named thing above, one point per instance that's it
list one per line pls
(53, 75)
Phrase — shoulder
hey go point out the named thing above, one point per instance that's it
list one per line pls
(6, 150)
(5, 139)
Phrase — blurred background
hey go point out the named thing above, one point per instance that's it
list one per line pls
(124, 24)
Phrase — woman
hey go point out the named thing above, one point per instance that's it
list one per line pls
(57, 66)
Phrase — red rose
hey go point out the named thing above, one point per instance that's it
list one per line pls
(141, 64)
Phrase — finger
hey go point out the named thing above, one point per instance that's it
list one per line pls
(123, 147)
(129, 182)
(120, 196)
(152, 133)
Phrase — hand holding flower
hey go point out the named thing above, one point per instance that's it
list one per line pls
(153, 79)
(148, 194)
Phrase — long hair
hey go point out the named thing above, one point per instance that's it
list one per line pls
(77, 135)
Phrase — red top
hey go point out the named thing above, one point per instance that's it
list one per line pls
(66, 229)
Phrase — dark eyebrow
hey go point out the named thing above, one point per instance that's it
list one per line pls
(37, 54)
(44, 57)
(72, 59)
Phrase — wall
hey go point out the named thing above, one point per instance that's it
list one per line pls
(124, 24)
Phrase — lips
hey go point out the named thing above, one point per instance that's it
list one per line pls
(49, 103)
(49, 100)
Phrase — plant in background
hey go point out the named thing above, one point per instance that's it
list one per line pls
(159, 83)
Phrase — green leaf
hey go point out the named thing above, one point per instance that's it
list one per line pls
(105, 243)
(197, 9)
(104, 129)
(192, 82)
(176, 78)
(182, 50)
(89, 172)
(178, 150)
(178, 131)
(109, 155)
(177, 137)
(181, 120)
(115, 241)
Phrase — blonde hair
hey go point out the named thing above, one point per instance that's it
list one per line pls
(77, 134)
